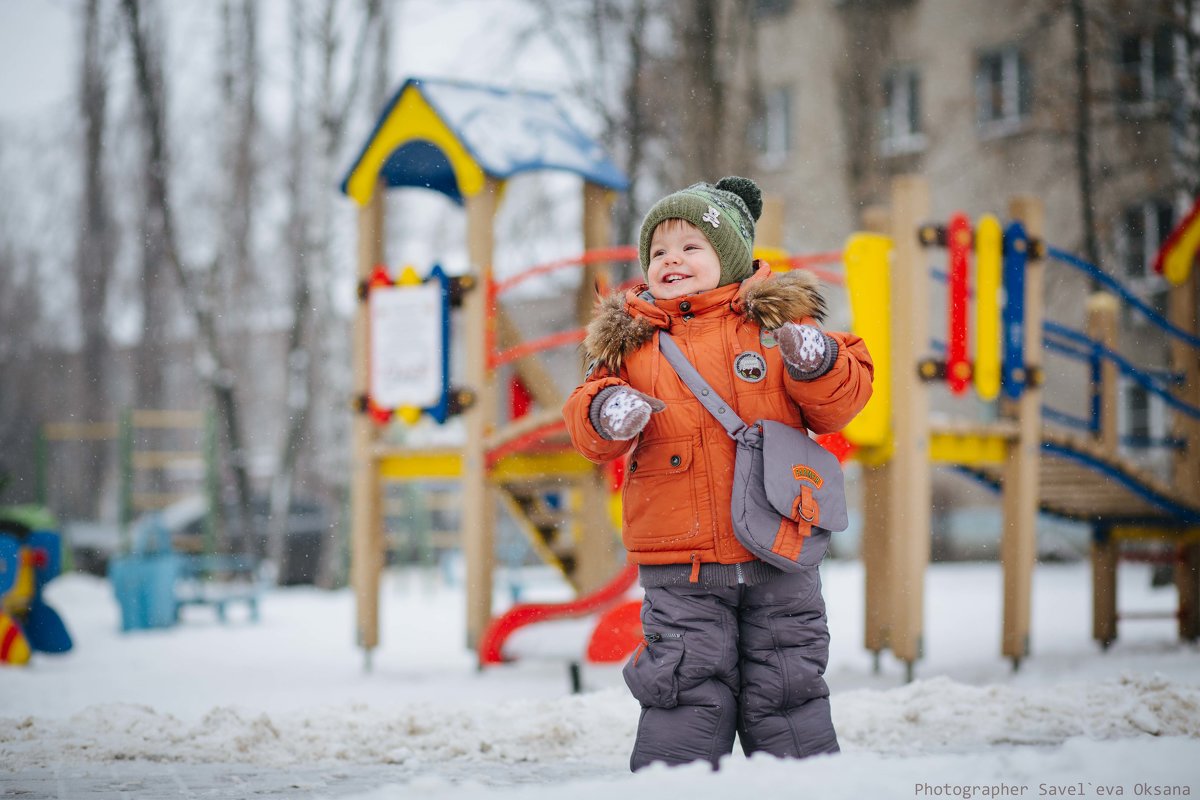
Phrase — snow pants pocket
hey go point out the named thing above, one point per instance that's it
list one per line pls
(652, 672)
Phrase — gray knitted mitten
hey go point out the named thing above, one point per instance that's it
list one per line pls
(620, 412)
(807, 351)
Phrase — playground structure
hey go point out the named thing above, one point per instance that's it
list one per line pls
(164, 456)
(167, 551)
(1037, 467)
(464, 141)
(30, 557)
(441, 136)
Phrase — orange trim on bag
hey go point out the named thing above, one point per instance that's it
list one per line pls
(805, 508)
(789, 539)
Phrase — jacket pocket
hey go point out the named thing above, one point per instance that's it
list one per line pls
(659, 499)
(652, 671)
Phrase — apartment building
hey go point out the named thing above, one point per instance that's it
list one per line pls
(983, 100)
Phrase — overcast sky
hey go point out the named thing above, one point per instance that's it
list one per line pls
(39, 51)
(37, 56)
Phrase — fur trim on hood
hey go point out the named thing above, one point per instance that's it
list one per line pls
(766, 299)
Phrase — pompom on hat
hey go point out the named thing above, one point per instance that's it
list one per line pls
(725, 212)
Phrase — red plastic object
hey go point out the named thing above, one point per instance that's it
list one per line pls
(519, 398)
(617, 634)
(958, 240)
(503, 626)
(838, 444)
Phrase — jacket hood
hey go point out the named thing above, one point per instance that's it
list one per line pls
(625, 322)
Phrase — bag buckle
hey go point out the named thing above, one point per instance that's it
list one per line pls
(805, 507)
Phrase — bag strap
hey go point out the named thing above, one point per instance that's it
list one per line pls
(722, 411)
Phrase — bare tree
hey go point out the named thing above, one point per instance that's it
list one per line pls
(615, 75)
(1083, 132)
(317, 339)
(197, 302)
(96, 242)
(715, 68)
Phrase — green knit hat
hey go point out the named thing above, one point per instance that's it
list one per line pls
(726, 213)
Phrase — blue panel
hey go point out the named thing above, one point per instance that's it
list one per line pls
(423, 165)
(1012, 318)
(10, 549)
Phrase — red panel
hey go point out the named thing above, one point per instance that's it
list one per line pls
(519, 398)
(958, 368)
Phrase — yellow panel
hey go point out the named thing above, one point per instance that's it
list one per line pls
(866, 257)
(432, 464)
(539, 465)
(988, 244)
(410, 119)
(776, 257)
(967, 449)
(419, 465)
(1185, 536)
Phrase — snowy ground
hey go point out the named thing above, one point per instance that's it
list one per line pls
(283, 708)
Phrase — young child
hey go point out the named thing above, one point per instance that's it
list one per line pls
(732, 644)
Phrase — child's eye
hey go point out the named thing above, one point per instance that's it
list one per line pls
(658, 254)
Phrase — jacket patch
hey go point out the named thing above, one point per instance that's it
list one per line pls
(767, 338)
(750, 367)
(803, 472)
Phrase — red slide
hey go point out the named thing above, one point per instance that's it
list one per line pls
(615, 636)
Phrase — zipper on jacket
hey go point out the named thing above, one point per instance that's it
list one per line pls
(695, 576)
(741, 576)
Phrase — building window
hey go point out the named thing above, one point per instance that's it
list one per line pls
(902, 112)
(1002, 89)
(1137, 412)
(1144, 227)
(771, 8)
(773, 130)
(1146, 67)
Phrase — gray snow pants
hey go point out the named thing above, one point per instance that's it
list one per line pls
(720, 660)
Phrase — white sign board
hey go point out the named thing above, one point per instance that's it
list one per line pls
(406, 345)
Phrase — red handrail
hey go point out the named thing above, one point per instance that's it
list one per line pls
(809, 261)
(621, 253)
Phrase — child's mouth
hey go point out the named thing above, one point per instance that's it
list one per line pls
(676, 277)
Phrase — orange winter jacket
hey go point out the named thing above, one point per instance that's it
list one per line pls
(676, 499)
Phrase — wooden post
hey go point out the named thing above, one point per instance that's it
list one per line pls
(1104, 587)
(910, 493)
(1102, 327)
(768, 231)
(478, 511)
(876, 517)
(1018, 544)
(597, 233)
(1184, 301)
(366, 529)
(596, 548)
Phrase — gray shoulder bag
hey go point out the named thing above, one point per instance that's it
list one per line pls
(788, 491)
